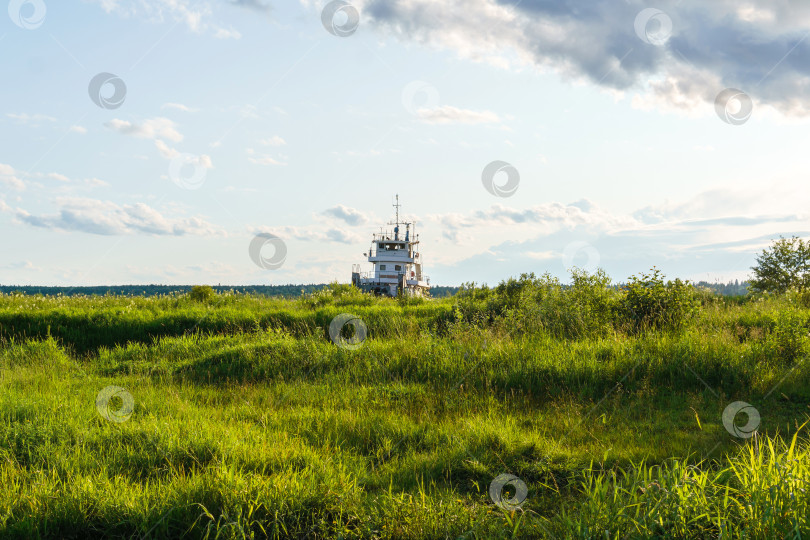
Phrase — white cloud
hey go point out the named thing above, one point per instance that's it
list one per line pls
(312, 234)
(273, 141)
(227, 33)
(204, 160)
(198, 15)
(152, 128)
(352, 216)
(447, 114)
(263, 159)
(78, 129)
(10, 178)
(342, 236)
(24, 118)
(179, 107)
(193, 13)
(95, 182)
(548, 216)
(58, 177)
(21, 265)
(108, 218)
(717, 231)
(165, 150)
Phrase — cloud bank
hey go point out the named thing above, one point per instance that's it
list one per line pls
(757, 46)
(107, 218)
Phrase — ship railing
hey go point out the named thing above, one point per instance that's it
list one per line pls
(415, 279)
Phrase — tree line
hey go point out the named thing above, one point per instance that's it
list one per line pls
(783, 266)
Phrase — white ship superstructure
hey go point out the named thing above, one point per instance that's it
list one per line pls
(396, 262)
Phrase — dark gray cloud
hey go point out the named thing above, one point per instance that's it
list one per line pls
(256, 5)
(757, 46)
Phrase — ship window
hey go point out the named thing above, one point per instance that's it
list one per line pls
(382, 267)
(398, 267)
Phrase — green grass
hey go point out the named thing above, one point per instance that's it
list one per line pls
(250, 423)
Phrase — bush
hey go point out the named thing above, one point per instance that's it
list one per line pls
(339, 294)
(582, 309)
(650, 303)
(592, 302)
(788, 339)
(202, 293)
(476, 304)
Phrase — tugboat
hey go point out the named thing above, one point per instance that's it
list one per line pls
(397, 265)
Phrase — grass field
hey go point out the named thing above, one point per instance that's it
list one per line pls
(249, 419)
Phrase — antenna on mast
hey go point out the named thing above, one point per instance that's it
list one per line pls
(396, 223)
(397, 205)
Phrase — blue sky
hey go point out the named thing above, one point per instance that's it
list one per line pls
(247, 117)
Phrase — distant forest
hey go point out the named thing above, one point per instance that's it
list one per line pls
(734, 288)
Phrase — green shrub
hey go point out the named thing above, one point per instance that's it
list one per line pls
(580, 310)
(476, 305)
(339, 294)
(788, 339)
(650, 303)
(591, 303)
(201, 293)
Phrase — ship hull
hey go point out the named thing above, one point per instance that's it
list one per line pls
(392, 287)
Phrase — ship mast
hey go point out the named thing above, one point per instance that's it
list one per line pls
(396, 223)
(397, 205)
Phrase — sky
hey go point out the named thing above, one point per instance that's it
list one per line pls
(262, 142)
